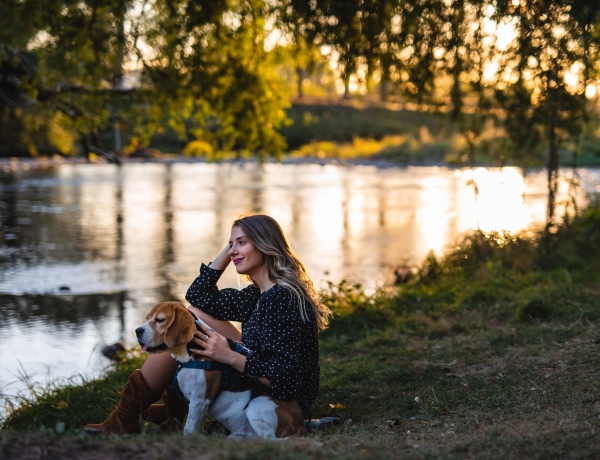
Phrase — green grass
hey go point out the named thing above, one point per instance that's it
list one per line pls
(487, 353)
(345, 130)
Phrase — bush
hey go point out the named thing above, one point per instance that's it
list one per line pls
(199, 148)
(356, 312)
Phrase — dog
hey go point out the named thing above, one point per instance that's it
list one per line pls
(169, 328)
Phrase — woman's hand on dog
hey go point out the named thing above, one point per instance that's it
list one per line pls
(216, 347)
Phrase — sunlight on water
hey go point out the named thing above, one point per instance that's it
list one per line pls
(499, 203)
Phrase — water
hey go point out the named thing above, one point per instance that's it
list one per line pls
(88, 249)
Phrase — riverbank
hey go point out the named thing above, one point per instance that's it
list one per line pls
(14, 164)
(325, 130)
(488, 353)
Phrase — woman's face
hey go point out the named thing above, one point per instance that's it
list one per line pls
(248, 260)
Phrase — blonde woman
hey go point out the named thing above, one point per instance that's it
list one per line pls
(278, 348)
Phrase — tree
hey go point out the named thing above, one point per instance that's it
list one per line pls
(296, 19)
(204, 71)
(468, 52)
(542, 104)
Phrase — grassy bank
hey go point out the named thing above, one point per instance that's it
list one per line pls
(411, 135)
(332, 128)
(486, 353)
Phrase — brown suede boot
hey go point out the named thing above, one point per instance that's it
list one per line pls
(170, 415)
(135, 397)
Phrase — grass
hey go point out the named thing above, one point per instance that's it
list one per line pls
(367, 129)
(487, 353)
(332, 128)
(349, 132)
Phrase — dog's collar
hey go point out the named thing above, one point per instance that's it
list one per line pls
(206, 365)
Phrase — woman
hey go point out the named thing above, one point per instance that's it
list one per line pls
(280, 313)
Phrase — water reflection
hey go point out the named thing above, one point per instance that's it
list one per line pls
(123, 238)
(62, 309)
(499, 201)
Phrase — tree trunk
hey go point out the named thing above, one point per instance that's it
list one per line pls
(300, 82)
(552, 174)
(384, 90)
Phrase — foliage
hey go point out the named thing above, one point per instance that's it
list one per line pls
(199, 149)
(354, 310)
(367, 130)
(194, 63)
(573, 245)
(126, 73)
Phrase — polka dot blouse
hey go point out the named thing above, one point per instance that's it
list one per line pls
(283, 347)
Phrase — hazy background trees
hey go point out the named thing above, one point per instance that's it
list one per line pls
(219, 75)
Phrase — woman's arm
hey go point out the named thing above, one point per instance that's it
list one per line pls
(223, 304)
(204, 288)
(222, 260)
(223, 327)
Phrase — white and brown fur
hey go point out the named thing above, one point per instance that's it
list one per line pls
(169, 327)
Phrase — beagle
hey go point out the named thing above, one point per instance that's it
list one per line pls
(213, 388)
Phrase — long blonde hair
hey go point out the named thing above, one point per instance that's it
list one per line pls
(283, 265)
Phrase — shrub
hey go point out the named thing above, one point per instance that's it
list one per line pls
(355, 311)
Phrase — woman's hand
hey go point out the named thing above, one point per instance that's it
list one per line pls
(222, 260)
(216, 347)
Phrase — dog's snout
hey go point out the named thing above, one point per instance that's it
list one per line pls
(139, 331)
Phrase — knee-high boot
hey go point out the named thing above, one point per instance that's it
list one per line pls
(170, 415)
(135, 397)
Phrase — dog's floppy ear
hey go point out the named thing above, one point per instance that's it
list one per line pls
(182, 327)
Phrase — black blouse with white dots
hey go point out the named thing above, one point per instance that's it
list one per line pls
(283, 347)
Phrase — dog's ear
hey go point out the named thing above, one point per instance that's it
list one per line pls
(182, 327)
